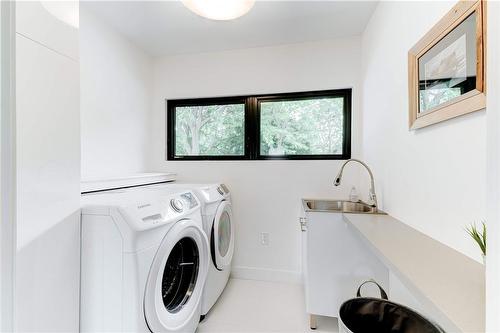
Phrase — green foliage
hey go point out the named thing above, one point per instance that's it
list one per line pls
(478, 236)
(210, 130)
(303, 127)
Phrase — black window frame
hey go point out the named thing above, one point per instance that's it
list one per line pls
(252, 124)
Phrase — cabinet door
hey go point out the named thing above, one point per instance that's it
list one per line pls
(50, 23)
(48, 189)
(337, 262)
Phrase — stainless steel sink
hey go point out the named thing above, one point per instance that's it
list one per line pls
(343, 206)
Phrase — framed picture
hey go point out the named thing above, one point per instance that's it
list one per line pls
(446, 68)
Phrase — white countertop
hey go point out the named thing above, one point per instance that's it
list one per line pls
(100, 184)
(442, 278)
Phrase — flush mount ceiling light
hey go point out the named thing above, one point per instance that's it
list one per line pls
(219, 9)
(65, 11)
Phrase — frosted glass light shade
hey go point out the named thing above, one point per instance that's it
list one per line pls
(219, 9)
(65, 11)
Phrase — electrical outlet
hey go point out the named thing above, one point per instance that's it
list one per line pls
(264, 238)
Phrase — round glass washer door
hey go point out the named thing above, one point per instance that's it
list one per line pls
(176, 279)
(222, 237)
(180, 274)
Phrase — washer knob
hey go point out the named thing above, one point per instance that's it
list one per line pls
(177, 205)
(220, 190)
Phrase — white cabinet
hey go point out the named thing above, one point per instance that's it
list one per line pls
(335, 263)
(49, 23)
(48, 181)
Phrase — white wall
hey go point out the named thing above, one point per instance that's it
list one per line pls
(433, 178)
(266, 194)
(115, 100)
(493, 173)
(48, 172)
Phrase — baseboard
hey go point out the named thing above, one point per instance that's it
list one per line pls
(265, 274)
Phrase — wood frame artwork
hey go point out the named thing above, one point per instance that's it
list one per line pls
(474, 98)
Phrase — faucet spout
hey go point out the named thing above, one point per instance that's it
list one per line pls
(372, 194)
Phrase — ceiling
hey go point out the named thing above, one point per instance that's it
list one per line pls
(167, 27)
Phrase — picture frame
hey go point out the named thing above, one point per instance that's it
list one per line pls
(446, 67)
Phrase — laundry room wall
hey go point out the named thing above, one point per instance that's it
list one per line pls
(434, 178)
(115, 100)
(493, 171)
(266, 194)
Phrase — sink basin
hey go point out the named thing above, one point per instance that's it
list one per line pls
(336, 206)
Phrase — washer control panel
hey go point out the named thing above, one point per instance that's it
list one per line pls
(177, 205)
(190, 199)
(161, 210)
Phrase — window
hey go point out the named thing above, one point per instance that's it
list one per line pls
(310, 125)
(210, 130)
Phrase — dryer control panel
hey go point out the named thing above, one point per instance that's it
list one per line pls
(224, 189)
(213, 193)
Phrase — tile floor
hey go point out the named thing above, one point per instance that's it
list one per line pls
(258, 307)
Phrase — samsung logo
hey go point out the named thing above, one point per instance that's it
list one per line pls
(143, 206)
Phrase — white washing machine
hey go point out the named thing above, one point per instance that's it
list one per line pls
(144, 261)
(219, 227)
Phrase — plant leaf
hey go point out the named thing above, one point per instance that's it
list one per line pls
(478, 236)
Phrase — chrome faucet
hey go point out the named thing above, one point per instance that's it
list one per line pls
(372, 195)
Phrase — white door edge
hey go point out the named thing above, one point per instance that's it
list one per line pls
(7, 168)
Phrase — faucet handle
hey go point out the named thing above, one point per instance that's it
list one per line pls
(373, 198)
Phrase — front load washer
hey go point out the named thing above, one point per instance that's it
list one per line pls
(219, 227)
(144, 261)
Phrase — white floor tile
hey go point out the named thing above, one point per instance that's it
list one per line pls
(258, 307)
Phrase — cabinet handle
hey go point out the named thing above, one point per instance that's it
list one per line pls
(303, 224)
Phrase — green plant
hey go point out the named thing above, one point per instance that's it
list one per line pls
(478, 236)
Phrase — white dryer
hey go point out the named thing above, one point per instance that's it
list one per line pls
(218, 224)
(144, 261)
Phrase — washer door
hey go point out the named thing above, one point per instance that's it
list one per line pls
(176, 279)
(222, 237)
